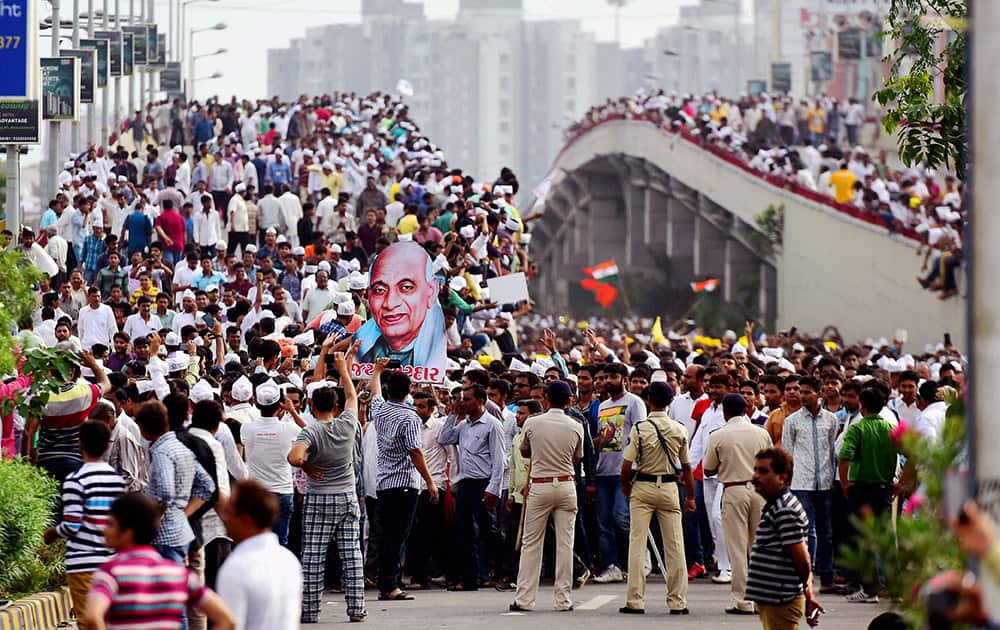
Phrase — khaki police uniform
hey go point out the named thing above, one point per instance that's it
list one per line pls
(655, 491)
(556, 443)
(732, 451)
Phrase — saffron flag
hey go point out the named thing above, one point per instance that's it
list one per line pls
(708, 284)
(657, 332)
(604, 271)
(604, 293)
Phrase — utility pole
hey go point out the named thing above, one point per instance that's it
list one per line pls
(75, 133)
(52, 168)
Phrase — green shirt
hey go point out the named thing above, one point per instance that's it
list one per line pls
(869, 448)
(443, 222)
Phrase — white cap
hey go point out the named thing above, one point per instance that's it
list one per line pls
(336, 249)
(307, 338)
(357, 282)
(211, 287)
(457, 284)
(323, 265)
(281, 239)
(270, 230)
(468, 231)
(328, 166)
(172, 339)
(251, 249)
(188, 293)
(298, 251)
(268, 393)
(241, 187)
(178, 362)
(345, 309)
(201, 391)
(312, 387)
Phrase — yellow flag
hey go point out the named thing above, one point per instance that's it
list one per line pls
(658, 332)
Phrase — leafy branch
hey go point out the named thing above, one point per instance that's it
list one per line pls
(929, 131)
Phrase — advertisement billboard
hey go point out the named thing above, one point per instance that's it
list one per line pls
(407, 323)
(128, 54)
(101, 48)
(140, 43)
(60, 88)
(170, 77)
(152, 45)
(114, 51)
(88, 71)
(18, 52)
(19, 122)
(821, 65)
(781, 77)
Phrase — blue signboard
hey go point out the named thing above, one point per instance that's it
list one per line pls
(14, 48)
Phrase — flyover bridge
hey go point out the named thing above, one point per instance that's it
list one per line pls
(669, 211)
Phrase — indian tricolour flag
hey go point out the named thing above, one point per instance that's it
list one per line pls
(604, 271)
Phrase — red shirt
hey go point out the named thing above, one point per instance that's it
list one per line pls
(173, 224)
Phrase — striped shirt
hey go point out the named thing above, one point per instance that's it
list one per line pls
(397, 427)
(772, 578)
(66, 410)
(145, 591)
(87, 495)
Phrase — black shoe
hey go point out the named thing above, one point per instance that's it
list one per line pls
(625, 610)
(517, 608)
(680, 611)
(733, 610)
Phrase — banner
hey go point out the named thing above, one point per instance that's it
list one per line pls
(821, 65)
(114, 50)
(18, 52)
(161, 50)
(128, 54)
(88, 71)
(19, 122)
(140, 43)
(781, 77)
(60, 88)
(101, 48)
(849, 44)
(756, 87)
(170, 77)
(407, 323)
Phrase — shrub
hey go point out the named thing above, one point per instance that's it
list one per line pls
(27, 499)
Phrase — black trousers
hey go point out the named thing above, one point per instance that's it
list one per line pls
(473, 528)
(216, 553)
(374, 538)
(396, 508)
(426, 549)
(862, 497)
(241, 239)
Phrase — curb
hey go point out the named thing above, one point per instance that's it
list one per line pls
(43, 611)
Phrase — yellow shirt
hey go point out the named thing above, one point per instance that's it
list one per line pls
(843, 185)
(138, 293)
(334, 181)
(817, 120)
(408, 224)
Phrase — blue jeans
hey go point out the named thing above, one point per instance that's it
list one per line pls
(178, 555)
(692, 534)
(280, 528)
(817, 504)
(612, 518)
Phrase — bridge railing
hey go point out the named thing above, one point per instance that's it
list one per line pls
(578, 131)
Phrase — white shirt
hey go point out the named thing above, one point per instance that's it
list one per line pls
(266, 443)
(711, 420)
(910, 412)
(136, 326)
(261, 582)
(930, 422)
(436, 456)
(207, 228)
(680, 410)
(47, 331)
(211, 524)
(291, 212)
(96, 325)
(393, 213)
(268, 212)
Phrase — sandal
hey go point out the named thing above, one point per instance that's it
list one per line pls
(398, 596)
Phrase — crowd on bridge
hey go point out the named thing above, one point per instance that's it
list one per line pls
(813, 147)
(221, 460)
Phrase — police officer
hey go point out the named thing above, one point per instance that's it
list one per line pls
(658, 446)
(554, 442)
(730, 454)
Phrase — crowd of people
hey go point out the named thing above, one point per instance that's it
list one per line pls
(215, 422)
(812, 145)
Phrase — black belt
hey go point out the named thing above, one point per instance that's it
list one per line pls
(655, 478)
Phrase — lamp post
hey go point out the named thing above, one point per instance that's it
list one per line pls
(221, 26)
(182, 11)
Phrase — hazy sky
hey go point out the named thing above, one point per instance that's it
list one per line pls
(256, 25)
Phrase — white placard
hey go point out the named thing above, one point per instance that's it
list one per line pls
(508, 289)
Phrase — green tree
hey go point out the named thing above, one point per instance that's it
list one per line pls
(928, 130)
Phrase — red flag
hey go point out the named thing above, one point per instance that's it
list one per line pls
(604, 293)
(708, 284)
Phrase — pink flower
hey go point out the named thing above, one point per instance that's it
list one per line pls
(913, 504)
(900, 431)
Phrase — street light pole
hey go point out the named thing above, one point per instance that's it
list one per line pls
(151, 18)
(75, 133)
(131, 77)
(107, 86)
(52, 168)
(192, 57)
(116, 117)
(92, 109)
